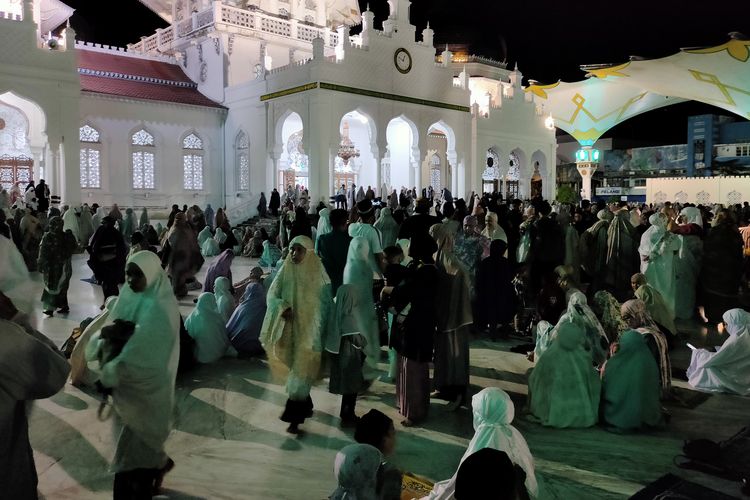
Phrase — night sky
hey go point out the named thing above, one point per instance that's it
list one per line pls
(548, 39)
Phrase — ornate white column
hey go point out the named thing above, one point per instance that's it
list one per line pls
(587, 161)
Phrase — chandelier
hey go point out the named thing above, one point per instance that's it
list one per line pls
(347, 151)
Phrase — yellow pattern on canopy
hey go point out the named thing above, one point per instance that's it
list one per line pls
(611, 94)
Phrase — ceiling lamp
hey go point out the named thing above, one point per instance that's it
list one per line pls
(347, 151)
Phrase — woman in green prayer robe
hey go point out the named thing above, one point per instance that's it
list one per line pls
(630, 386)
(55, 251)
(564, 388)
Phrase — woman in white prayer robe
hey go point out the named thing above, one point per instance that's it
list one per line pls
(727, 369)
(142, 376)
(658, 250)
(493, 413)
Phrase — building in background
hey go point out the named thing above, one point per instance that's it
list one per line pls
(235, 98)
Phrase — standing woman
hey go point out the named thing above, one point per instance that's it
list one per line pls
(142, 377)
(31, 232)
(593, 250)
(86, 225)
(299, 302)
(658, 248)
(55, 252)
(275, 202)
(414, 329)
(183, 256)
(454, 320)
(721, 272)
(108, 252)
(688, 260)
(70, 223)
(388, 228)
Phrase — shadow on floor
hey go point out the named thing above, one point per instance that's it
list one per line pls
(70, 449)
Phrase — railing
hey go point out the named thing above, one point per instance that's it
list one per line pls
(237, 17)
(252, 19)
(11, 16)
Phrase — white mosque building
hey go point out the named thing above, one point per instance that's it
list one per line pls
(237, 97)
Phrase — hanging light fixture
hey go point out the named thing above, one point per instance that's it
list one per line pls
(347, 151)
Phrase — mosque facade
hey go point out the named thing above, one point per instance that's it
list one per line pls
(237, 97)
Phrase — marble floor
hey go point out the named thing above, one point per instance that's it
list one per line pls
(228, 442)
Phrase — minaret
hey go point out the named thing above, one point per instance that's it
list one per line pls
(69, 35)
(368, 25)
(428, 36)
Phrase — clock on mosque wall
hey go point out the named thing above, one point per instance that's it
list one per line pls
(402, 60)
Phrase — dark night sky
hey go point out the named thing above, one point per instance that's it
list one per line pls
(548, 39)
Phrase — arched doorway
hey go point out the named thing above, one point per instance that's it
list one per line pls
(438, 171)
(356, 162)
(293, 162)
(539, 174)
(513, 176)
(21, 141)
(401, 136)
(491, 173)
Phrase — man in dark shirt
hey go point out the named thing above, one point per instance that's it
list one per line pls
(333, 247)
(420, 222)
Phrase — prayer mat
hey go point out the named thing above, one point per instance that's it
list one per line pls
(413, 486)
(670, 487)
(687, 398)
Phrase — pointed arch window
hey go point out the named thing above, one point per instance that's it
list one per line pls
(143, 158)
(90, 157)
(192, 162)
(242, 162)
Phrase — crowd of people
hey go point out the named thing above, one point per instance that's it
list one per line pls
(596, 292)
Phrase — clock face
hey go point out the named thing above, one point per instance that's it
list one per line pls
(402, 60)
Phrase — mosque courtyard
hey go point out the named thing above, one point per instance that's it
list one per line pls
(228, 442)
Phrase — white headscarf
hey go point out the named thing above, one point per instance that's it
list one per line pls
(15, 281)
(493, 413)
(143, 374)
(324, 224)
(728, 369)
(692, 216)
(656, 238)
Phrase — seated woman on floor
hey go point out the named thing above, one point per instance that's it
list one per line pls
(271, 254)
(657, 307)
(356, 468)
(376, 429)
(607, 309)
(224, 299)
(630, 386)
(727, 369)
(206, 326)
(493, 413)
(243, 327)
(564, 388)
(578, 312)
(634, 313)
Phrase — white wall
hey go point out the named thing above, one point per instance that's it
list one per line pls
(703, 190)
(117, 119)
